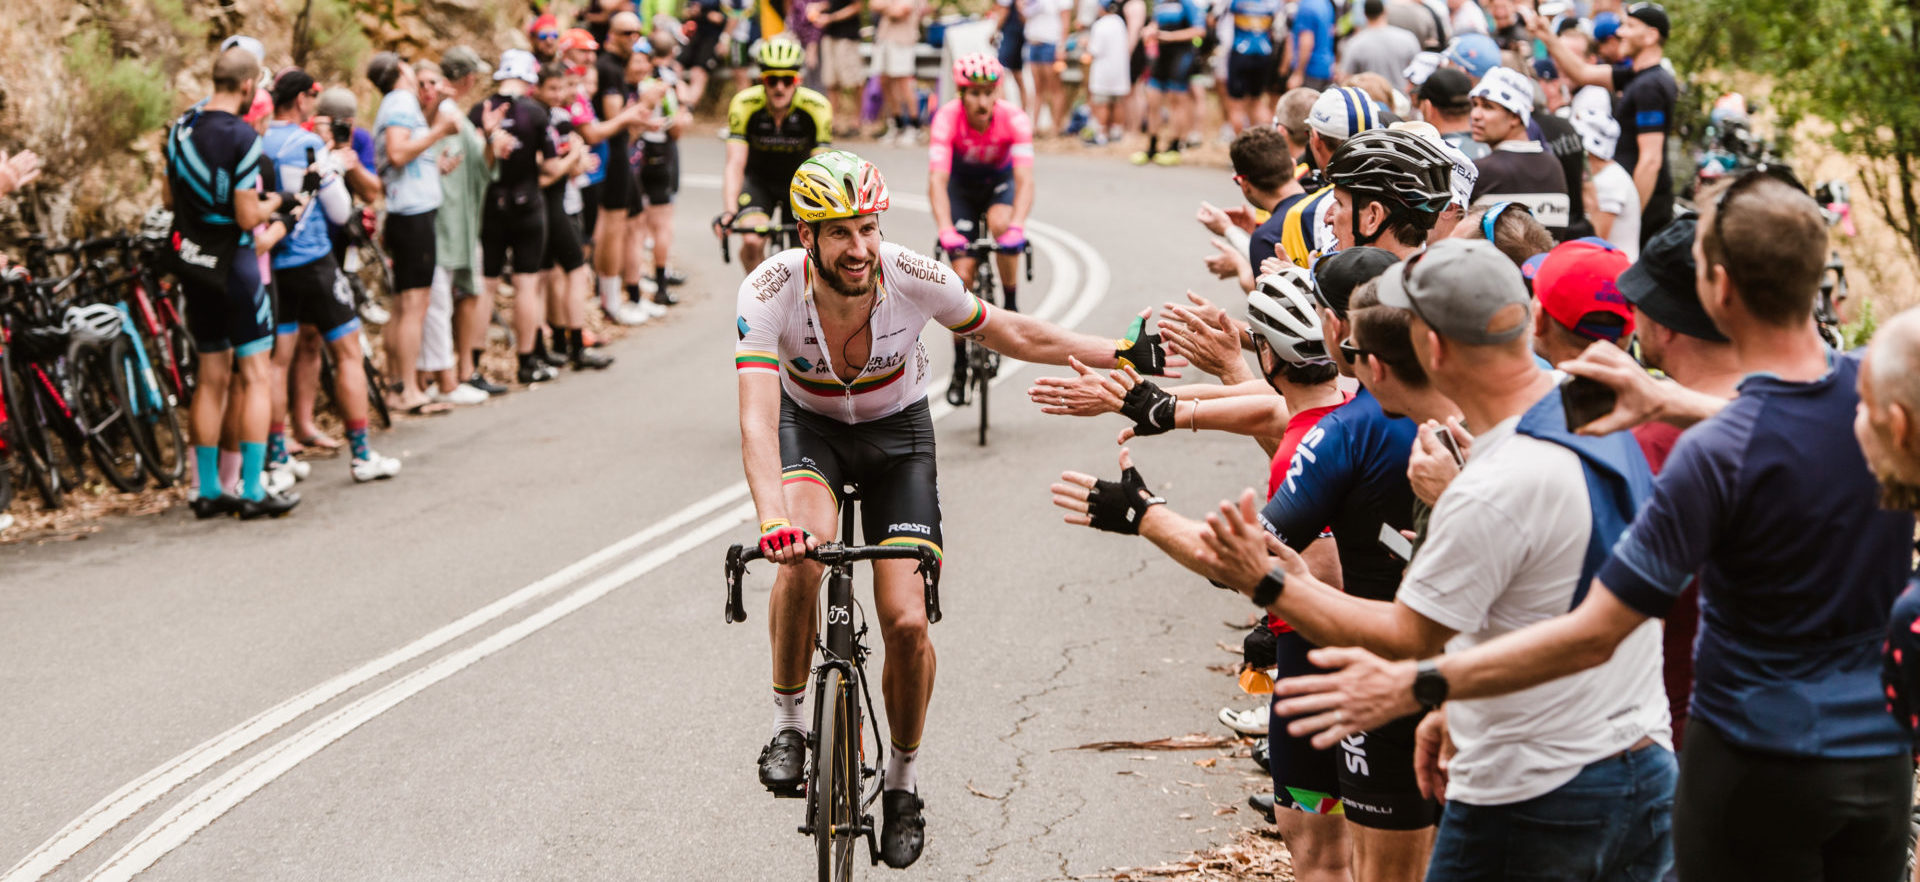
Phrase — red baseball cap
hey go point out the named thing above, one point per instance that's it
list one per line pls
(1576, 283)
(546, 22)
(577, 38)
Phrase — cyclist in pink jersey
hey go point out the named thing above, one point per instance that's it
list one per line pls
(980, 168)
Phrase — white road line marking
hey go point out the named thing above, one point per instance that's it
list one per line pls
(144, 791)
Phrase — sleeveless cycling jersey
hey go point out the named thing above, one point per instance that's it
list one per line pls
(958, 149)
(777, 325)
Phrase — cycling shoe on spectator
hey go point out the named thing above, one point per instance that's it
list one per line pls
(1259, 754)
(374, 468)
(589, 360)
(903, 830)
(1262, 803)
(480, 382)
(1252, 721)
(676, 277)
(300, 468)
(538, 373)
(783, 763)
(279, 478)
(272, 505)
(213, 507)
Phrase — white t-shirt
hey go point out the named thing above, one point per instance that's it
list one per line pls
(1043, 23)
(1468, 19)
(1614, 193)
(776, 319)
(1108, 45)
(1504, 551)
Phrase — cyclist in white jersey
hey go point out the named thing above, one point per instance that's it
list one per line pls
(833, 380)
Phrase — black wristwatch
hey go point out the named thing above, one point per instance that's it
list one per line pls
(1269, 588)
(1429, 685)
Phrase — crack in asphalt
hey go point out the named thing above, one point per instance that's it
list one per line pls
(1029, 713)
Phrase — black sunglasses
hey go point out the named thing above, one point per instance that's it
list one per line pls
(1351, 351)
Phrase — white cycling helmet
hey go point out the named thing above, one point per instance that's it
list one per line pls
(158, 224)
(95, 323)
(1282, 310)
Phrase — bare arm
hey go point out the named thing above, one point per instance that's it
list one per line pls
(1022, 194)
(1646, 170)
(735, 175)
(1030, 339)
(1564, 645)
(251, 209)
(1575, 69)
(760, 442)
(937, 198)
(403, 147)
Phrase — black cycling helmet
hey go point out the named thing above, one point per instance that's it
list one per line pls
(1399, 168)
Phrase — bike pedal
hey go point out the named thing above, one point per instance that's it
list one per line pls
(788, 792)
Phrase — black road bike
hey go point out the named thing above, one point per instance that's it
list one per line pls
(983, 364)
(843, 781)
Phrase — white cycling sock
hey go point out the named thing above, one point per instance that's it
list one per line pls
(900, 768)
(789, 710)
(609, 292)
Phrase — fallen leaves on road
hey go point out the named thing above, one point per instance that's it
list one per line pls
(1207, 763)
(983, 794)
(1252, 855)
(1191, 741)
(85, 507)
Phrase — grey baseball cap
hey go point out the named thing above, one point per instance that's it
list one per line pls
(1465, 289)
(459, 61)
(337, 103)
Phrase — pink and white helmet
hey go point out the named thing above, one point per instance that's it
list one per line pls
(978, 69)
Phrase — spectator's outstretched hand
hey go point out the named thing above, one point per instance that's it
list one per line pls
(1087, 393)
(1432, 753)
(1204, 335)
(18, 170)
(1361, 691)
(1430, 468)
(1225, 261)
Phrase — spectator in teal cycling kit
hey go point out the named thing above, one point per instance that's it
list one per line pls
(213, 188)
(1175, 26)
(313, 293)
(1312, 45)
(1770, 502)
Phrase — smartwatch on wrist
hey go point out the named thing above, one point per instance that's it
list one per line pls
(1269, 588)
(1429, 685)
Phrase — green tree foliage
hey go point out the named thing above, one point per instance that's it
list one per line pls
(328, 40)
(125, 97)
(1852, 63)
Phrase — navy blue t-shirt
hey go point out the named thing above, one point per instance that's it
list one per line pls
(1265, 241)
(1771, 502)
(1350, 473)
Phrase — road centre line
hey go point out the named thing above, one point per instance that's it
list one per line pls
(149, 788)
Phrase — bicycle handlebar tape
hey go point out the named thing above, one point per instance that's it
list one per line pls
(1140, 349)
(1150, 407)
(1118, 506)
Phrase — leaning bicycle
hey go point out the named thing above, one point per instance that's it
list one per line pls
(842, 781)
(983, 364)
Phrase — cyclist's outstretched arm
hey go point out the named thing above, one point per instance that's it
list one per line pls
(1042, 342)
(937, 198)
(733, 177)
(760, 442)
(1022, 195)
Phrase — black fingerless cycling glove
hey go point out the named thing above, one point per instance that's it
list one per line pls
(1141, 348)
(1150, 407)
(1117, 506)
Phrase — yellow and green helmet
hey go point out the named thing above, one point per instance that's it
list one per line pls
(837, 184)
(779, 53)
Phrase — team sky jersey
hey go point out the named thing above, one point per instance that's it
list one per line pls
(1253, 25)
(777, 325)
(1350, 472)
(1305, 234)
(775, 148)
(958, 149)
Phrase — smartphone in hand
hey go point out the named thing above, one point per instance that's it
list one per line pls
(1445, 436)
(1584, 400)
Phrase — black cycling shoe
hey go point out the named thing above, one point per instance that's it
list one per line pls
(1262, 803)
(957, 387)
(1260, 751)
(480, 382)
(272, 505)
(903, 830)
(215, 506)
(535, 373)
(783, 763)
(589, 360)
(676, 277)
(550, 358)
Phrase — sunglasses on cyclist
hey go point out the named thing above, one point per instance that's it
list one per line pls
(547, 35)
(779, 79)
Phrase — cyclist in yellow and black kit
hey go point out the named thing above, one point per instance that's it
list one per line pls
(771, 129)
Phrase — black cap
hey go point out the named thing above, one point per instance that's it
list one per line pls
(1337, 274)
(1447, 88)
(291, 84)
(1652, 15)
(1661, 283)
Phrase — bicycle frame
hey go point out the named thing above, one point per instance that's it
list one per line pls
(148, 404)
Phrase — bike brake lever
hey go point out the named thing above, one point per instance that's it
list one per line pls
(930, 581)
(736, 568)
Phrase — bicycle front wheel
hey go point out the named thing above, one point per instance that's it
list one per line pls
(26, 436)
(836, 777)
(102, 402)
(983, 370)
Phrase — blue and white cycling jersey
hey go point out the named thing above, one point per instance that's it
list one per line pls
(1350, 473)
(1253, 25)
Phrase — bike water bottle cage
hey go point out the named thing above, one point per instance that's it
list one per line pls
(1150, 407)
(1118, 506)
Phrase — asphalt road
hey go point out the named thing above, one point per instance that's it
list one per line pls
(421, 680)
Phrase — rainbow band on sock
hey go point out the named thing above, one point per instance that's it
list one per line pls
(749, 360)
(909, 540)
(789, 690)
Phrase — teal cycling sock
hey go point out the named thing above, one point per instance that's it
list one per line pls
(206, 461)
(357, 439)
(277, 444)
(253, 461)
